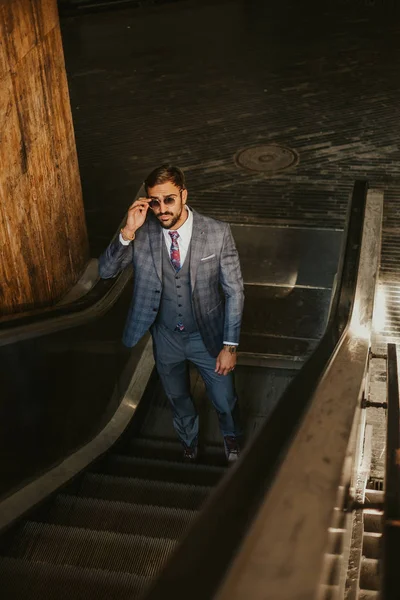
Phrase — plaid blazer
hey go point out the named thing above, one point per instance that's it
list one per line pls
(215, 277)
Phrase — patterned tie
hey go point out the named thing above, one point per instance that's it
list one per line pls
(175, 254)
(176, 263)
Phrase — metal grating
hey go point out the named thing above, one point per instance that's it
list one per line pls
(267, 159)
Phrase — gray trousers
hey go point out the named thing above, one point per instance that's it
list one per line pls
(172, 350)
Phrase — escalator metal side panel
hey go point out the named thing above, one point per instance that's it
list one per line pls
(290, 533)
(18, 503)
(65, 316)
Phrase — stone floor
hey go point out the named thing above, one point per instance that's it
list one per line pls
(194, 82)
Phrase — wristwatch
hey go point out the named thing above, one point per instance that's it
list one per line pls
(232, 349)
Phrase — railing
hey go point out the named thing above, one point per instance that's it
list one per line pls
(391, 529)
(92, 305)
(205, 556)
(284, 554)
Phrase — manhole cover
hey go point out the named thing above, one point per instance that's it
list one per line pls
(266, 159)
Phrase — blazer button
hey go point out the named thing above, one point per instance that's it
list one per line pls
(179, 305)
(155, 309)
(157, 291)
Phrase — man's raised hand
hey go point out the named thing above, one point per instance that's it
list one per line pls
(136, 216)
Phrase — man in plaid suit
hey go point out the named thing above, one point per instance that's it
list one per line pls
(188, 290)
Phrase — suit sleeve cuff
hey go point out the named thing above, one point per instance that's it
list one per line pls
(123, 242)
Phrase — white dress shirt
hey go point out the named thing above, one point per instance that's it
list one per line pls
(185, 235)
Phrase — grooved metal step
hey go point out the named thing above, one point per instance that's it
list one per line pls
(168, 450)
(373, 520)
(369, 575)
(159, 470)
(368, 595)
(31, 580)
(372, 544)
(140, 491)
(121, 517)
(339, 518)
(335, 540)
(93, 549)
(371, 548)
(328, 592)
(374, 496)
(331, 569)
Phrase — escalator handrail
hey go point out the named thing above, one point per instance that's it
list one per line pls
(91, 306)
(204, 555)
(320, 467)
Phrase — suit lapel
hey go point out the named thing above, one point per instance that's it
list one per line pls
(198, 242)
(156, 240)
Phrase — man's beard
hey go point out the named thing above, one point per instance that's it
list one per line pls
(173, 222)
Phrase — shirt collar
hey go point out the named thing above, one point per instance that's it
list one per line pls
(184, 229)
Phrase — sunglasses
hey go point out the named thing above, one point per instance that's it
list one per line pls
(156, 205)
(168, 201)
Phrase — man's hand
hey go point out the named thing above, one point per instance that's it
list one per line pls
(226, 362)
(136, 216)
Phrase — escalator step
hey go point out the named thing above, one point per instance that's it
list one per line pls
(168, 450)
(160, 470)
(78, 547)
(31, 580)
(121, 517)
(140, 491)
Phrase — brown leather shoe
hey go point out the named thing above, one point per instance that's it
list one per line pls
(189, 453)
(232, 448)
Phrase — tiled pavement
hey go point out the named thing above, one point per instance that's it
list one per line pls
(193, 82)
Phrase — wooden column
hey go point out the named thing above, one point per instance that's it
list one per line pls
(43, 240)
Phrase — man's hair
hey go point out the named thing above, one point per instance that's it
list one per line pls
(164, 174)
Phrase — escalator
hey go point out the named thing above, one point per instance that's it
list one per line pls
(110, 530)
